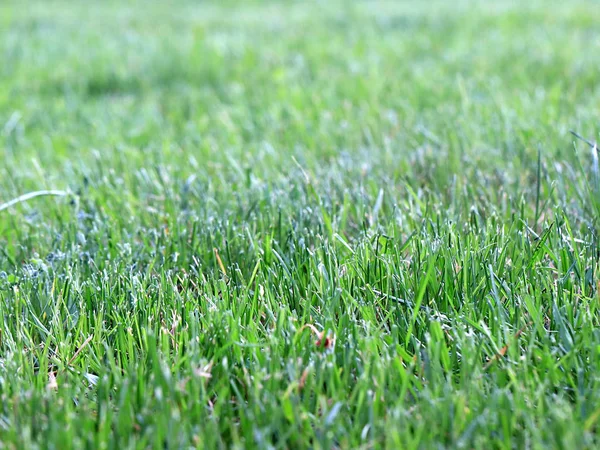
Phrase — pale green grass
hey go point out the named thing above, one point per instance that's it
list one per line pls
(397, 176)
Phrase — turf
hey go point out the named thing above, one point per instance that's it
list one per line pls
(299, 225)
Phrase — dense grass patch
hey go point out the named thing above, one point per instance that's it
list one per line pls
(292, 225)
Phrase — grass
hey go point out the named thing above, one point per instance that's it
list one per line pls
(294, 225)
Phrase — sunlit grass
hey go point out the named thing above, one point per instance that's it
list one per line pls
(307, 225)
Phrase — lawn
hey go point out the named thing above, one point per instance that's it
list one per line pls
(299, 225)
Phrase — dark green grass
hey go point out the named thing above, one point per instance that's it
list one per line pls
(294, 225)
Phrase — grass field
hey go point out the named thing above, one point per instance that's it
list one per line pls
(299, 225)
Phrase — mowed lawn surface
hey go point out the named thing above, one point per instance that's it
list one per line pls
(294, 225)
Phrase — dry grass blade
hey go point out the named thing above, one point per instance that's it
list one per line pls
(30, 195)
(80, 349)
(504, 349)
(326, 342)
(220, 263)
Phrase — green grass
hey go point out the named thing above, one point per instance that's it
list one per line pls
(299, 225)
